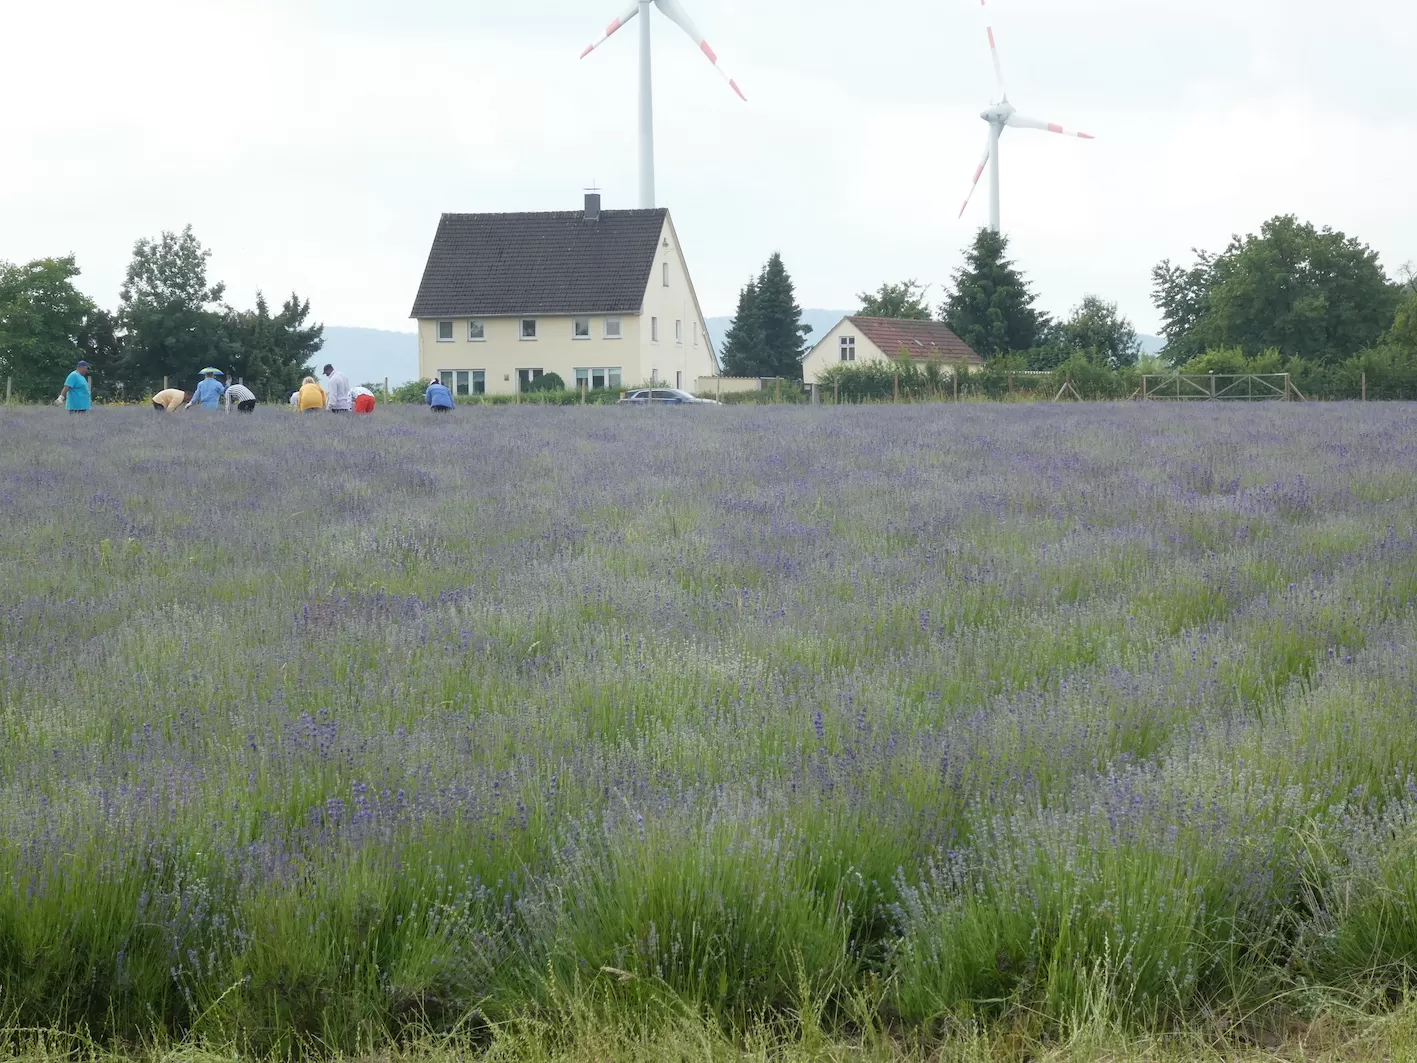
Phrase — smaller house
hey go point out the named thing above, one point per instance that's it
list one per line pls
(865, 339)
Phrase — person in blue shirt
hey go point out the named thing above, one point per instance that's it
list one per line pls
(438, 397)
(208, 394)
(76, 395)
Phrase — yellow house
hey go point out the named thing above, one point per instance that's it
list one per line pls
(601, 298)
(866, 339)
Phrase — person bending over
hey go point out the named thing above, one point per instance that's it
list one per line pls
(242, 397)
(438, 397)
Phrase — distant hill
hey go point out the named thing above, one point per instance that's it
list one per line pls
(369, 355)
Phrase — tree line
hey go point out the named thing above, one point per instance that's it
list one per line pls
(171, 322)
(1292, 298)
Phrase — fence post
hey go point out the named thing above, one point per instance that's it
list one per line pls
(955, 377)
(584, 384)
(718, 384)
(895, 389)
(1143, 387)
(386, 389)
(836, 392)
(777, 390)
(1011, 383)
(1365, 387)
(9, 388)
(164, 383)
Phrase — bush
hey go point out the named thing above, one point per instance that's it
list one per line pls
(547, 382)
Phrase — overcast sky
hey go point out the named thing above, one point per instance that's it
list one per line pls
(313, 143)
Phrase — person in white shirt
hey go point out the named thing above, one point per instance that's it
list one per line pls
(295, 399)
(363, 399)
(242, 397)
(341, 395)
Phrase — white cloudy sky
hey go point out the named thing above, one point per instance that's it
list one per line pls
(313, 143)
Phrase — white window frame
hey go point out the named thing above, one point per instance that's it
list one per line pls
(535, 330)
(618, 323)
(654, 330)
(679, 331)
(438, 332)
(449, 379)
(666, 274)
(575, 328)
(481, 326)
(612, 375)
(847, 346)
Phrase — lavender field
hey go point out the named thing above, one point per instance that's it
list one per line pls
(316, 730)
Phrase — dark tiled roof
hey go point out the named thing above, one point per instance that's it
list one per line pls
(926, 340)
(557, 263)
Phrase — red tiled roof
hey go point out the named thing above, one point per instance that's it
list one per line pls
(918, 340)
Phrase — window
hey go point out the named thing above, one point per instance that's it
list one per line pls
(654, 330)
(476, 332)
(597, 378)
(445, 332)
(679, 332)
(580, 328)
(679, 379)
(848, 348)
(528, 328)
(614, 328)
(465, 381)
(526, 376)
(666, 274)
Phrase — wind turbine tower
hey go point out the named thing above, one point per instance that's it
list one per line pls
(675, 11)
(1002, 115)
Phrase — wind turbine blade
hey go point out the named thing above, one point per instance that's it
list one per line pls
(610, 30)
(675, 10)
(988, 145)
(1022, 121)
(994, 53)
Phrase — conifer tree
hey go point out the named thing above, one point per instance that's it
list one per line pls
(781, 321)
(743, 348)
(989, 304)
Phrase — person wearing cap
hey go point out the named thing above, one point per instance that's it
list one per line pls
(208, 394)
(363, 399)
(170, 400)
(76, 396)
(438, 397)
(340, 394)
(310, 397)
(242, 397)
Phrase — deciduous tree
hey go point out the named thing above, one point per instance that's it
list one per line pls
(1313, 294)
(905, 301)
(169, 313)
(1098, 332)
(46, 325)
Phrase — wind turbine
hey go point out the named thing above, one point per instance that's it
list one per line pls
(1001, 114)
(676, 12)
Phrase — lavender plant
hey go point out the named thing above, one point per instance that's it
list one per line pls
(320, 731)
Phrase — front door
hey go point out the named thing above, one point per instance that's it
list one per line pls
(526, 376)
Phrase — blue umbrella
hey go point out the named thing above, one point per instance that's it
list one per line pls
(211, 370)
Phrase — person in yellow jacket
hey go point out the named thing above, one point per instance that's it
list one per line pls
(311, 396)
